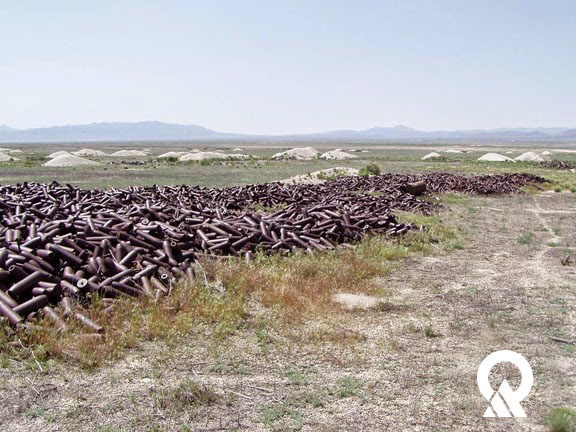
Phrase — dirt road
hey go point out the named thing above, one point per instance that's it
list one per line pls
(409, 366)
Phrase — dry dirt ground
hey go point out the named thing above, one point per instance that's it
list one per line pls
(408, 366)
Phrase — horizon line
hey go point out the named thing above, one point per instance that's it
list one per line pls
(399, 125)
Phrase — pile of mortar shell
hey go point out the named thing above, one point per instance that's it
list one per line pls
(59, 244)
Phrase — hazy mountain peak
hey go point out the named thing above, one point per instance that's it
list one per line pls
(152, 130)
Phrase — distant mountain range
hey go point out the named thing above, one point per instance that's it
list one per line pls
(154, 131)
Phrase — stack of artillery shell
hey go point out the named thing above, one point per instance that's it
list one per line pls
(559, 165)
(59, 243)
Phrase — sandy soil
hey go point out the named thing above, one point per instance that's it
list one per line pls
(409, 366)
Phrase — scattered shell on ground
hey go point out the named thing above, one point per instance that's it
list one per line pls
(321, 176)
(495, 157)
(357, 301)
(129, 153)
(89, 152)
(69, 160)
(431, 156)
(298, 153)
(531, 157)
(58, 153)
(337, 154)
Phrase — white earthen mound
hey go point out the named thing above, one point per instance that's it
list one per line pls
(452, 151)
(237, 149)
(337, 154)
(495, 157)
(172, 154)
(69, 161)
(14, 151)
(432, 155)
(211, 155)
(546, 153)
(58, 153)
(321, 176)
(298, 153)
(6, 158)
(129, 153)
(89, 152)
(530, 157)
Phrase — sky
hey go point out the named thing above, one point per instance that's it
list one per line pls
(290, 66)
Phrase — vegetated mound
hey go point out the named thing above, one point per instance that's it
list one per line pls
(298, 153)
(337, 154)
(495, 157)
(129, 153)
(136, 241)
(7, 158)
(530, 157)
(69, 160)
(211, 155)
(58, 153)
(171, 154)
(89, 152)
(319, 177)
(432, 155)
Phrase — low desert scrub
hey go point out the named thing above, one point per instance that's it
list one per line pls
(347, 386)
(185, 395)
(430, 332)
(526, 239)
(561, 419)
(370, 169)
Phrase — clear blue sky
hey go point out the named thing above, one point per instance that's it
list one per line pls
(289, 66)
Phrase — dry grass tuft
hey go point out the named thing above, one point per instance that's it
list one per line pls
(132, 321)
(303, 284)
(185, 395)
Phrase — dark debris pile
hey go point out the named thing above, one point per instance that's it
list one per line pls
(60, 243)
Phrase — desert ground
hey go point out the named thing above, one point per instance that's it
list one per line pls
(489, 273)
